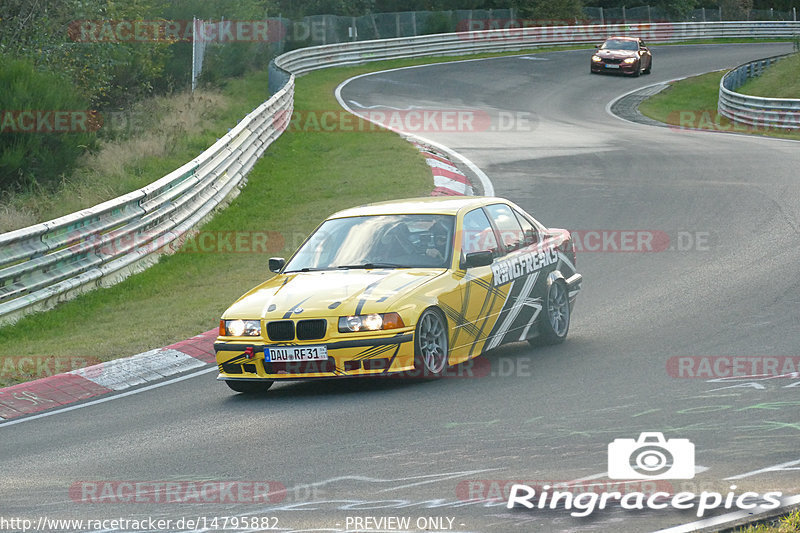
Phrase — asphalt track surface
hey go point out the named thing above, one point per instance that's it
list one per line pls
(540, 415)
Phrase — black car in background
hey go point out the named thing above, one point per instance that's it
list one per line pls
(626, 55)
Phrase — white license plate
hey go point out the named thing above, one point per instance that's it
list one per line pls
(611, 65)
(291, 354)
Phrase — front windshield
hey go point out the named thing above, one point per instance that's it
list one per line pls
(618, 44)
(384, 241)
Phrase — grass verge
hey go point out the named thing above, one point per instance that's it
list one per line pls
(692, 104)
(780, 80)
(786, 524)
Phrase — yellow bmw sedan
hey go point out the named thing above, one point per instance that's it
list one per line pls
(403, 287)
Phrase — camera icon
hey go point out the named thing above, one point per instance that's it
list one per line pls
(651, 457)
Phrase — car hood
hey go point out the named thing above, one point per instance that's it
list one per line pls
(616, 54)
(330, 292)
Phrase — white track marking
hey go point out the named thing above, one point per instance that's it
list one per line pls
(107, 398)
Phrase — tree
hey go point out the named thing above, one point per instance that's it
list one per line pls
(735, 9)
(549, 10)
(676, 9)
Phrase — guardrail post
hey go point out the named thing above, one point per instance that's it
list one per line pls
(602, 19)
(624, 17)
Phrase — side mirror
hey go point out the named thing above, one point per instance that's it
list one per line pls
(276, 264)
(597, 46)
(478, 259)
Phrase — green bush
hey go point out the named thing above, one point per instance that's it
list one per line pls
(36, 147)
(233, 60)
(438, 22)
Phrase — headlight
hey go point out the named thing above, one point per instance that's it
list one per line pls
(596, 58)
(629, 60)
(240, 328)
(373, 322)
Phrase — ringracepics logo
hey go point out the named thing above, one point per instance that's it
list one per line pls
(649, 457)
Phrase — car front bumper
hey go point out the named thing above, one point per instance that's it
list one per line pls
(624, 68)
(353, 355)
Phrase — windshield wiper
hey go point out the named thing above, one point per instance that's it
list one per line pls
(370, 265)
(305, 269)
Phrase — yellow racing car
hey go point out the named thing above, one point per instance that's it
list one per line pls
(402, 287)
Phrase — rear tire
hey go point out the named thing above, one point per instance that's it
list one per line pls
(554, 326)
(250, 387)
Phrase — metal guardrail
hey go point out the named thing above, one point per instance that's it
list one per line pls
(756, 111)
(55, 260)
(470, 42)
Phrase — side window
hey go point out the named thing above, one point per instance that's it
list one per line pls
(478, 234)
(511, 234)
(530, 235)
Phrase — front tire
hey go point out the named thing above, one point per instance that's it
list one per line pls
(649, 67)
(431, 348)
(250, 387)
(555, 323)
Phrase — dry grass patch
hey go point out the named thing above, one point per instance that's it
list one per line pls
(156, 129)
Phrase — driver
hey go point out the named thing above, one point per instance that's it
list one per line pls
(396, 242)
(437, 247)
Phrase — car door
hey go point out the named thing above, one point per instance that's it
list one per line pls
(480, 300)
(522, 269)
